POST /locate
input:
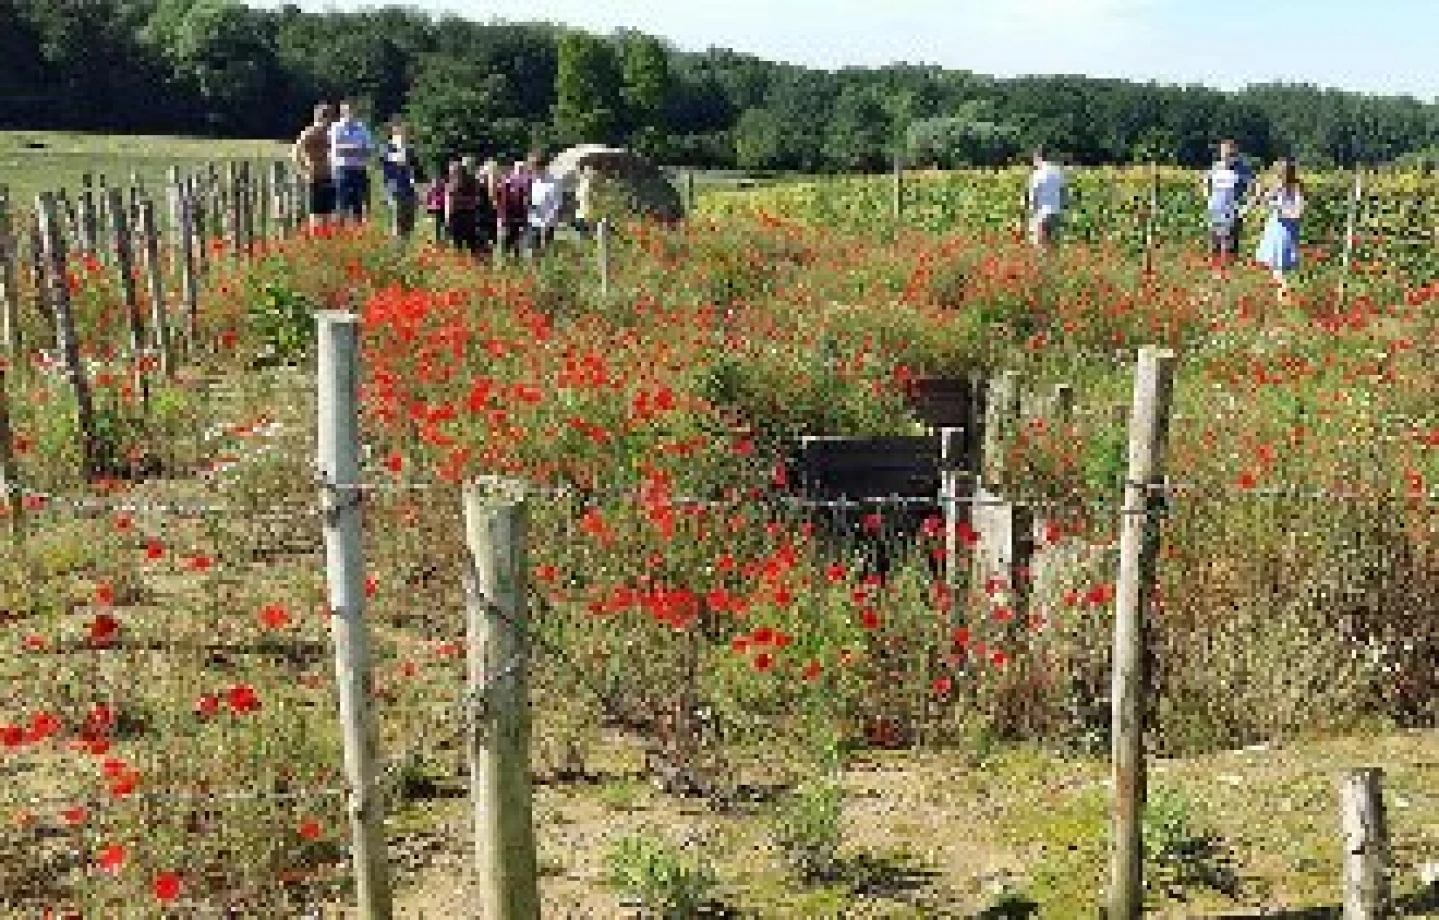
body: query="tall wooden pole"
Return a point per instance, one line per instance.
(1138, 545)
(339, 466)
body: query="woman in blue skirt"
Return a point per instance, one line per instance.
(1279, 247)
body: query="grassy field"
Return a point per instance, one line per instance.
(928, 752)
(35, 161)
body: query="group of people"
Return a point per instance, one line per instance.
(1231, 192)
(476, 209)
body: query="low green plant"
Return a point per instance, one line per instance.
(284, 320)
(668, 884)
(807, 828)
(1178, 853)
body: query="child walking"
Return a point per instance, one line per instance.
(1279, 247)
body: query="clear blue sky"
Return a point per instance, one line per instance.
(1386, 46)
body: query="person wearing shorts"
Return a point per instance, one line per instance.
(312, 158)
(350, 148)
(1226, 187)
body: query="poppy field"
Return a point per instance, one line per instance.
(168, 730)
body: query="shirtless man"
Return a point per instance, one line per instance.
(312, 158)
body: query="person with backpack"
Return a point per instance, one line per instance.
(401, 171)
(1226, 187)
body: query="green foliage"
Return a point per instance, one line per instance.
(1178, 855)
(807, 828)
(457, 109)
(647, 83)
(284, 321)
(588, 106)
(668, 884)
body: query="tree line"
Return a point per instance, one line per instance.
(218, 67)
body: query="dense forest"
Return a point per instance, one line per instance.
(218, 67)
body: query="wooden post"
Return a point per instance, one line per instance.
(9, 286)
(38, 284)
(1349, 227)
(1151, 218)
(159, 319)
(88, 225)
(65, 338)
(1062, 403)
(9, 470)
(497, 626)
(689, 191)
(200, 218)
(249, 193)
(1366, 845)
(1001, 410)
(189, 269)
(898, 203)
(339, 467)
(125, 266)
(1138, 545)
(951, 455)
(173, 187)
(231, 209)
(602, 240)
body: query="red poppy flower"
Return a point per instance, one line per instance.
(274, 616)
(111, 858)
(242, 699)
(103, 629)
(73, 816)
(868, 618)
(310, 829)
(105, 594)
(167, 886)
(763, 662)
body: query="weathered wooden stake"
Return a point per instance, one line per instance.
(339, 467)
(497, 621)
(1366, 845)
(9, 470)
(65, 337)
(10, 339)
(1001, 411)
(602, 240)
(951, 457)
(1349, 226)
(189, 269)
(125, 266)
(159, 316)
(1138, 545)
(897, 206)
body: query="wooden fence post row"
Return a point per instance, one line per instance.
(65, 337)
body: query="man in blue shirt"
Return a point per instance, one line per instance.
(1226, 187)
(351, 147)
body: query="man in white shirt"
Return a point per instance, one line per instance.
(544, 214)
(351, 147)
(1046, 200)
